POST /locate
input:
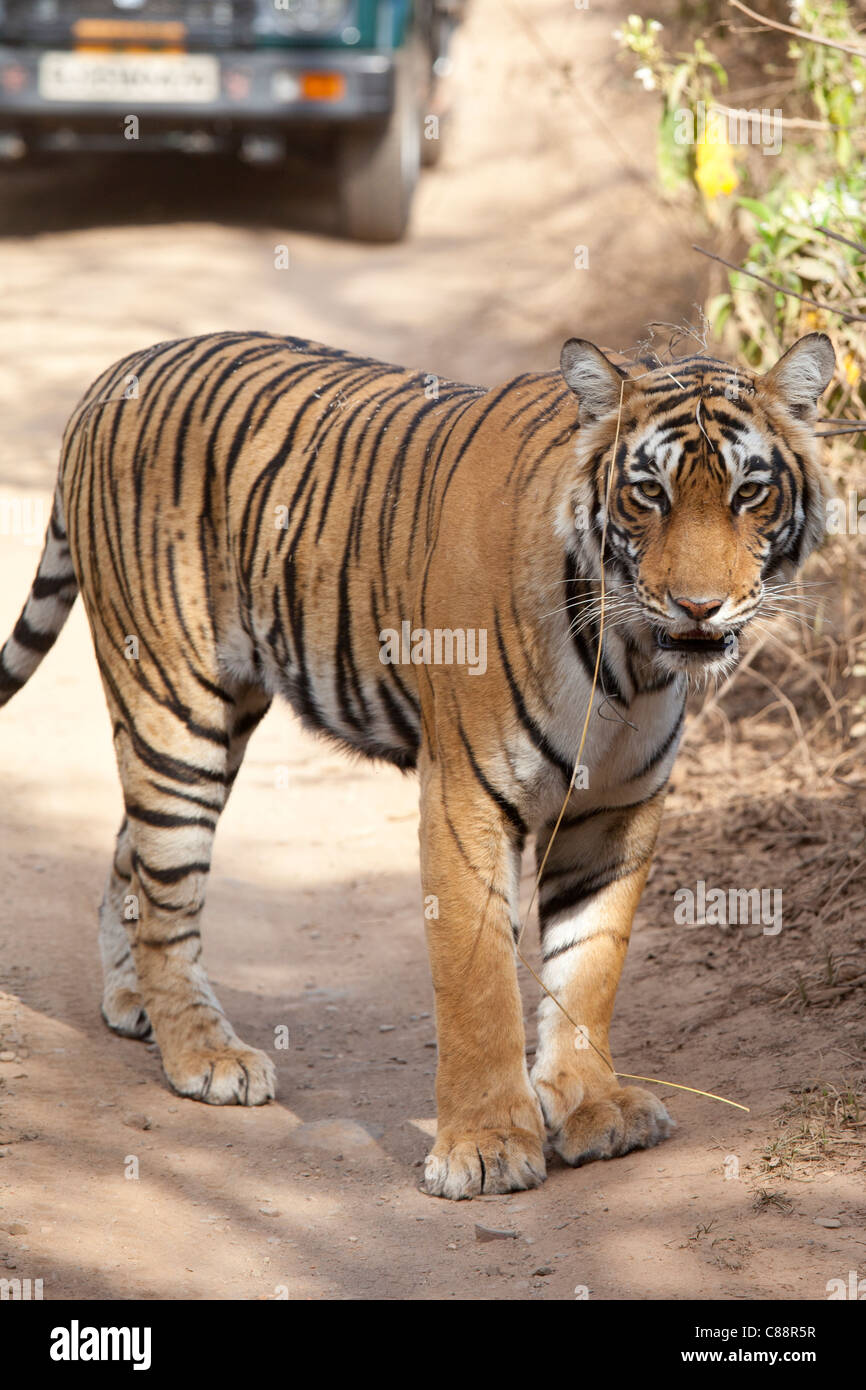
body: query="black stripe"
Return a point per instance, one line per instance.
(169, 940)
(536, 733)
(164, 818)
(162, 763)
(396, 718)
(587, 887)
(571, 821)
(657, 757)
(583, 941)
(173, 875)
(184, 796)
(249, 721)
(9, 684)
(509, 810)
(47, 588)
(27, 636)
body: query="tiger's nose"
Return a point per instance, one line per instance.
(700, 609)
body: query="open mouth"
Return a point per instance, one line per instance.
(702, 643)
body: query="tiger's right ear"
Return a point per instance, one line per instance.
(593, 378)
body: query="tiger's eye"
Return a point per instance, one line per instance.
(650, 489)
(747, 492)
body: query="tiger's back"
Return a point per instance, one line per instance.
(268, 491)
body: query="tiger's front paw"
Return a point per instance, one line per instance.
(602, 1124)
(471, 1162)
(229, 1074)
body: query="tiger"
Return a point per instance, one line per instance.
(248, 515)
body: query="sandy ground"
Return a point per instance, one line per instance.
(110, 1187)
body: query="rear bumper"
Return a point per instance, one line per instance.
(262, 91)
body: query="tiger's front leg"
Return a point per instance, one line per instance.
(490, 1128)
(590, 888)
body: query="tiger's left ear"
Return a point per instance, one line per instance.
(803, 374)
(593, 378)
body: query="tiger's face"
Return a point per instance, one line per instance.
(703, 482)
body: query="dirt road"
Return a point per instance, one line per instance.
(109, 1185)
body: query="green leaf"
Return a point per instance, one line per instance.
(719, 310)
(760, 210)
(674, 160)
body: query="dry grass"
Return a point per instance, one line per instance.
(821, 1121)
(772, 1201)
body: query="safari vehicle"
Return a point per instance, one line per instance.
(360, 78)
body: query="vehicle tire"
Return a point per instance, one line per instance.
(378, 164)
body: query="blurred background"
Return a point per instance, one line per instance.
(456, 187)
(539, 219)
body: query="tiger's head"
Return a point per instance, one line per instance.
(701, 481)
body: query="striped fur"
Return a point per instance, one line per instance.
(247, 515)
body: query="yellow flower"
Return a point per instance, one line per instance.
(851, 369)
(715, 172)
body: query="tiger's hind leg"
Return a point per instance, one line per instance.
(177, 774)
(122, 1006)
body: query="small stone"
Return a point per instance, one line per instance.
(7, 1057)
(387, 1027)
(485, 1233)
(138, 1121)
(15, 1229)
(269, 1211)
(831, 1222)
(544, 1270)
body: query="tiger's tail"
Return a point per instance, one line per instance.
(52, 594)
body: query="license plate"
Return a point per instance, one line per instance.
(129, 77)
